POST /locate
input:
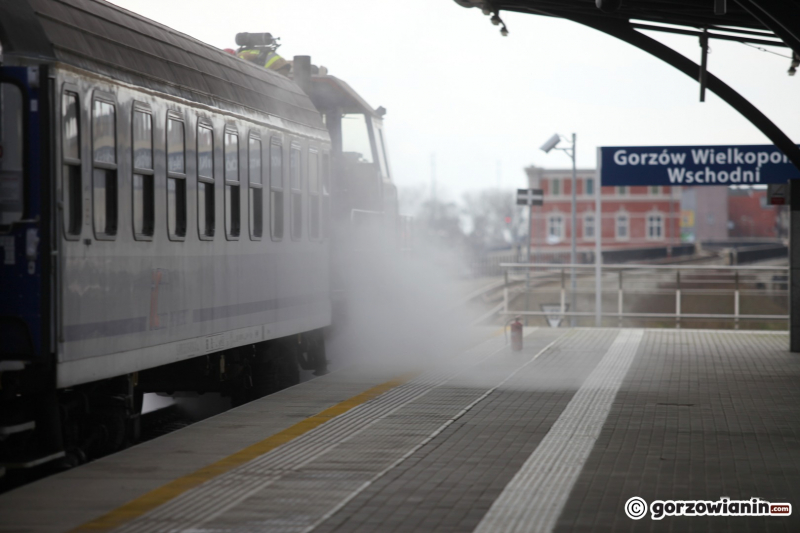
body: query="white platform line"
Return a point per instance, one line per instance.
(533, 499)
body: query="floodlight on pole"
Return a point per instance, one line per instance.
(551, 143)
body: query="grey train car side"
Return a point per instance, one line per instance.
(213, 274)
(180, 209)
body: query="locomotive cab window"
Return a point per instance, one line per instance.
(143, 181)
(313, 195)
(256, 192)
(206, 219)
(276, 189)
(104, 171)
(296, 179)
(176, 178)
(356, 143)
(232, 198)
(71, 158)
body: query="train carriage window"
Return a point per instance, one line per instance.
(176, 179)
(232, 197)
(71, 170)
(276, 189)
(325, 218)
(296, 183)
(256, 194)
(313, 195)
(104, 173)
(143, 176)
(206, 219)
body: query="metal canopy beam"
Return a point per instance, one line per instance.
(622, 30)
(781, 16)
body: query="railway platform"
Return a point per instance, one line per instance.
(557, 437)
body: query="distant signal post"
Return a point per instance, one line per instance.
(529, 198)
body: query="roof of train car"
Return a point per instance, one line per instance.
(105, 39)
(329, 93)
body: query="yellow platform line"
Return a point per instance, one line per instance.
(156, 497)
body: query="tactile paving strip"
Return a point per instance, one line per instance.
(198, 506)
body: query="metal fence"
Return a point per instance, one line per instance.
(679, 295)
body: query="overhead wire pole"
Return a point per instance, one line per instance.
(551, 143)
(529, 261)
(573, 252)
(598, 245)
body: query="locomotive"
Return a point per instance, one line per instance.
(168, 214)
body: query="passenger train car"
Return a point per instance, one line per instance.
(165, 221)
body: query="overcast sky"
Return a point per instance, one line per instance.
(454, 87)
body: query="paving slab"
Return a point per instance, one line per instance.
(557, 437)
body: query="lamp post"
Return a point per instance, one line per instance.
(551, 143)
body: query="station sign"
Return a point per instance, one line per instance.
(530, 196)
(750, 164)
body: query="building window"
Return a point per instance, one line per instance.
(104, 173)
(143, 177)
(206, 206)
(589, 186)
(232, 197)
(276, 189)
(296, 183)
(71, 185)
(622, 191)
(256, 191)
(588, 227)
(655, 227)
(556, 186)
(313, 195)
(176, 179)
(621, 224)
(654, 190)
(555, 228)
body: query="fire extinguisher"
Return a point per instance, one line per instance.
(516, 335)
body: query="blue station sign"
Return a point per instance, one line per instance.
(751, 164)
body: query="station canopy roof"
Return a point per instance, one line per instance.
(755, 22)
(722, 19)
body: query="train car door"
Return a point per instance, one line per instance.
(23, 217)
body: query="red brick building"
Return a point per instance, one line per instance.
(632, 217)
